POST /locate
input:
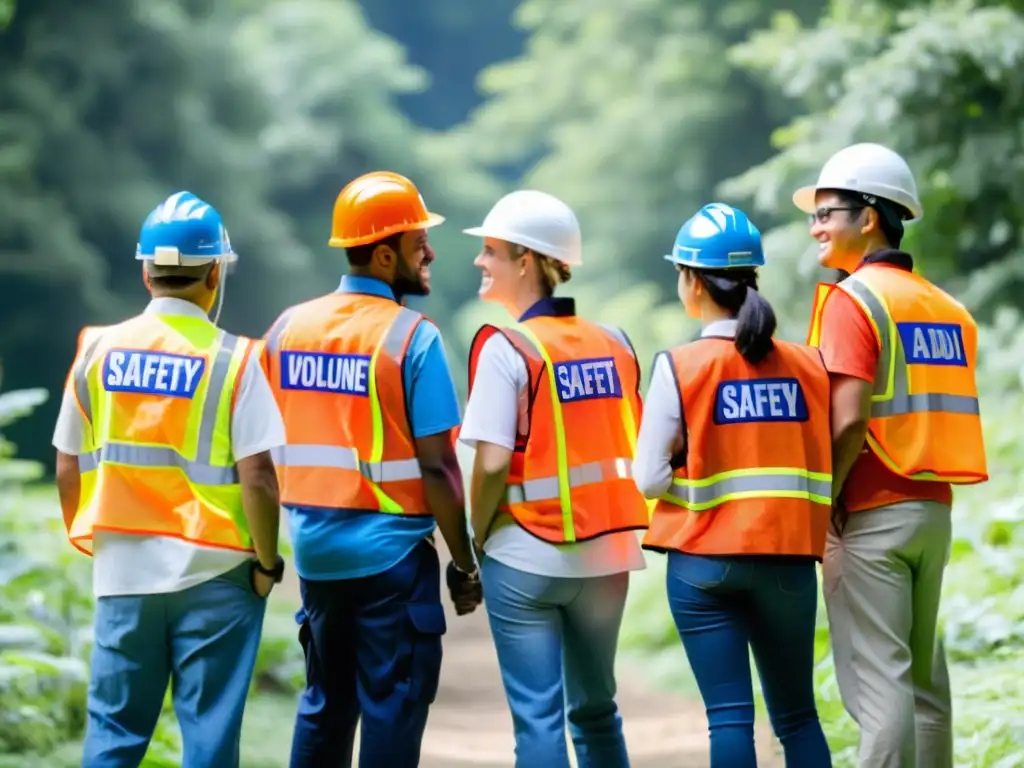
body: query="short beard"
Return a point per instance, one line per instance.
(408, 285)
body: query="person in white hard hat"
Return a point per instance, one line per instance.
(901, 356)
(553, 411)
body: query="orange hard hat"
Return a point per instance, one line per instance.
(375, 206)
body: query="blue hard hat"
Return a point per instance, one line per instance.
(185, 231)
(718, 236)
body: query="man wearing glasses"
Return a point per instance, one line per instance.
(901, 355)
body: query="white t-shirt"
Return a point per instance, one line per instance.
(662, 422)
(495, 413)
(126, 564)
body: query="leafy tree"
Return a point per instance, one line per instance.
(333, 82)
(939, 82)
(107, 109)
(632, 114)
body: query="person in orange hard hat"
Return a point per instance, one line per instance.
(367, 473)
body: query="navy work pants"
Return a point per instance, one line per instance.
(373, 650)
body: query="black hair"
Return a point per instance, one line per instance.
(360, 255)
(176, 278)
(890, 215)
(735, 290)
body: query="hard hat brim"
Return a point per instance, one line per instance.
(526, 242)
(432, 220)
(697, 265)
(805, 198)
(193, 261)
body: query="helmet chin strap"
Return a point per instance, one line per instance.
(221, 283)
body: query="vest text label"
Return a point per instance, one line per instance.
(933, 343)
(754, 400)
(587, 380)
(146, 372)
(324, 372)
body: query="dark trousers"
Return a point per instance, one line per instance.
(724, 607)
(373, 650)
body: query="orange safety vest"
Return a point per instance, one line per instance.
(925, 422)
(335, 365)
(157, 395)
(758, 474)
(571, 476)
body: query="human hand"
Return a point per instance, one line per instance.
(261, 583)
(465, 589)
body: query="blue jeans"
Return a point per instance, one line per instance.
(723, 608)
(204, 640)
(556, 640)
(373, 651)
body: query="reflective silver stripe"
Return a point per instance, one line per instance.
(767, 485)
(80, 377)
(546, 488)
(341, 457)
(150, 457)
(199, 470)
(392, 344)
(214, 392)
(902, 402)
(273, 340)
(336, 457)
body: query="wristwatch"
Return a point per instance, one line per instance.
(276, 573)
(468, 574)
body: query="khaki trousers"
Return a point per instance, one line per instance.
(882, 582)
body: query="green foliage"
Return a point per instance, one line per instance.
(42, 674)
(940, 82)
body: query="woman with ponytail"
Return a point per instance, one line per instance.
(735, 445)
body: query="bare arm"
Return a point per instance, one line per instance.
(661, 436)
(69, 486)
(442, 483)
(261, 501)
(487, 486)
(851, 410)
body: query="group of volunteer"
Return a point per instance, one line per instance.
(749, 461)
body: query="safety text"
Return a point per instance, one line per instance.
(152, 373)
(933, 343)
(587, 379)
(744, 401)
(324, 372)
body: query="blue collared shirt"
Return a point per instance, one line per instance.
(334, 544)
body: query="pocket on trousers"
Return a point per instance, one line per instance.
(700, 572)
(308, 649)
(422, 650)
(796, 579)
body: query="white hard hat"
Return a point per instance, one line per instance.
(535, 220)
(869, 169)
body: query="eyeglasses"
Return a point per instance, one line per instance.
(824, 213)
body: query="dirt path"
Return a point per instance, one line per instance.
(470, 723)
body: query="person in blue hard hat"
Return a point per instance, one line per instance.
(166, 479)
(734, 444)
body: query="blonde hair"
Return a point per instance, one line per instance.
(552, 272)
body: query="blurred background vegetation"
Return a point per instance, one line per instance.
(636, 113)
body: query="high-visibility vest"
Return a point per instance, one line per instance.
(758, 472)
(157, 394)
(570, 478)
(335, 366)
(925, 422)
